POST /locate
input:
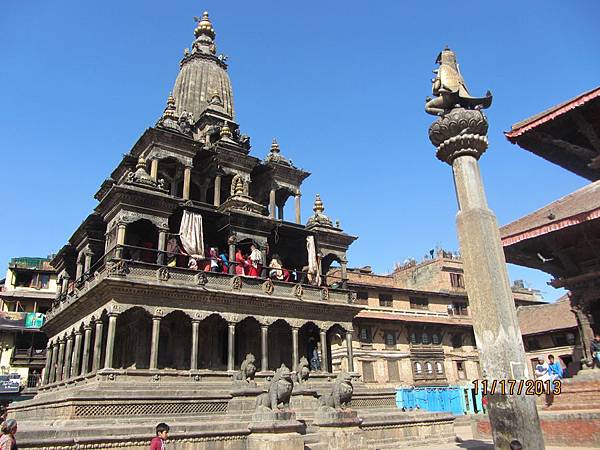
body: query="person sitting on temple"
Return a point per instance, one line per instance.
(224, 260)
(277, 271)
(240, 263)
(214, 259)
(173, 250)
(255, 261)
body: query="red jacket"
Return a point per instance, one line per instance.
(157, 444)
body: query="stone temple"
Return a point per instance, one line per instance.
(185, 268)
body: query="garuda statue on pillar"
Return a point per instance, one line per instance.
(449, 88)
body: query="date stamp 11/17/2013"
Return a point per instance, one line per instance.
(517, 387)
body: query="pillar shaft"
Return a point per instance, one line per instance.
(194, 356)
(154, 343)
(349, 350)
(110, 341)
(78, 270)
(53, 365)
(187, 176)
(264, 347)
(96, 359)
(87, 342)
(48, 365)
(294, 348)
(120, 239)
(87, 262)
(76, 355)
(298, 214)
(232, 259)
(162, 246)
(231, 347)
(217, 201)
(324, 359)
(272, 205)
(154, 169)
(491, 301)
(280, 212)
(61, 361)
(344, 274)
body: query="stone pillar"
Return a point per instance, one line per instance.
(154, 343)
(294, 348)
(217, 201)
(231, 347)
(121, 228)
(87, 342)
(87, 262)
(48, 365)
(110, 341)
(61, 360)
(187, 176)
(264, 348)
(76, 355)
(68, 358)
(272, 205)
(583, 323)
(162, 246)
(194, 356)
(280, 212)
(53, 375)
(495, 322)
(297, 201)
(349, 350)
(96, 359)
(232, 257)
(79, 267)
(324, 359)
(65, 284)
(154, 169)
(344, 273)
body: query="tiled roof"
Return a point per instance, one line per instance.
(538, 319)
(418, 318)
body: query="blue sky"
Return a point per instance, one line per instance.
(340, 84)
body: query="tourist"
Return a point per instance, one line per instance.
(254, 261)
(275, 266)
(240, 262)
(162, 434)
(315, 357)
(516, 445)
(224, 262)
(541, 370)
(555, 370)
(9, 429)
(214, 259)
(595, 351)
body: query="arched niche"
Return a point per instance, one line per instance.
(133, 335)
(212, 343)
(280, 344)
(175, 341)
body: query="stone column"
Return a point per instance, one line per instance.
(297, 201)
(53, 375)
(65, 284)
(61, 360)
(187, 175)
(154, 169)
(110, 341)
(87, 342)
(294, 347)
(76, 355)
(162, 246)
(78, 268)
(272, 205)
(324, 359)
(280, 212)
(495, 323)
(96, 359)
(68, 358)
(264, 347)
(217, 201)
(231, 347)
(87, 262)
(344, 273)
(121, 228)
(194, 356)
(154, 343)
(48, 365)
(349, 350)
(583, 323)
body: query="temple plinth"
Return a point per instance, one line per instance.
(459, 135)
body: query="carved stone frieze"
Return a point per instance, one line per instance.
(236, 283)
(201, 279)
(117, 268)
(163, 274)
(298, 291)
(268, 287)
(325, 294)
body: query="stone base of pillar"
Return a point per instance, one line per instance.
(340, 428)
(337, 418)
(280, 441)
(304, 398)
(275, 430)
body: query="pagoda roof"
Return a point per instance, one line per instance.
(538, 319)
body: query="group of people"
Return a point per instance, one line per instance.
(549, 371)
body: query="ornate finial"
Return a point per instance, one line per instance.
(318, 218)
(318, 208)
(225, 131)
(141, 164)
(204, 26)
(170, 109)
(275, 146)
(239, 187)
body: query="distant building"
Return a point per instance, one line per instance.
(27, 294)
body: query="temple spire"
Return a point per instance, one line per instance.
(204, 26)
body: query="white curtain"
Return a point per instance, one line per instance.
(313, 264)
(191, 234)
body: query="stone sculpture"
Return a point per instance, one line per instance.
(302, 371)
(247, 369)
(341, 393)
(279, 392)
(449, 88)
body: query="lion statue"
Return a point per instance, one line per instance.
(302, 371)
(279, 392)
(247, 369)
(341, 393)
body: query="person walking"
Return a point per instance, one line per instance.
(162, 434)
(9, 429)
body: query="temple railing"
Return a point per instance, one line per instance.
(112, 267)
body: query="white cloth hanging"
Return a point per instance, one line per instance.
(192, 235)
(313, 264)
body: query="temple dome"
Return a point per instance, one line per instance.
(203, 80)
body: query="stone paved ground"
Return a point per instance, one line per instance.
(464, 433)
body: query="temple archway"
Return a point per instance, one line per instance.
(212, 343)
(280, 344)
(336, 347)
(141, 239)
(175, 341)
(308, 344)
(247, 340)
(132, 339)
